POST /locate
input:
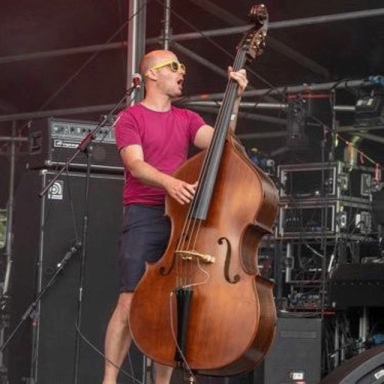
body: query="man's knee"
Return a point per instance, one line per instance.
(123, 306)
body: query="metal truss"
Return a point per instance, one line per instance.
(134, 52)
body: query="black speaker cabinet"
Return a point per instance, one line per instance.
(365, 368)
(295, 356)
(45, 229)
(357, 285)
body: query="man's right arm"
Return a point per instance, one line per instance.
(133, 159)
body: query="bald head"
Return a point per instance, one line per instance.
(153, 58)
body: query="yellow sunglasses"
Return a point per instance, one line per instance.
(174, 65)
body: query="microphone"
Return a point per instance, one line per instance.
(136, 80)
(376, 80)
(136, 84)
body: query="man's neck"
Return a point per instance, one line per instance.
(157, 103)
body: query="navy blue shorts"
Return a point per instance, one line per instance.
(144, 237)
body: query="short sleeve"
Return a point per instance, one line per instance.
(195, 123)
(127, 130)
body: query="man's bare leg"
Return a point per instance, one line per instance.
(161, 374)
(118, 338)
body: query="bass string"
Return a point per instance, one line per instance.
(191, 227)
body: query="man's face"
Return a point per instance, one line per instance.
(170, 76)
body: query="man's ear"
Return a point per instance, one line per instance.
(151, 74)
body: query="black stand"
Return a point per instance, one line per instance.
(82, 269)
(82, 147)
(324, 224)
(4, 299)
(327, 132)
(29, 312)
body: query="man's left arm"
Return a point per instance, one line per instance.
(241, 78)
(204, 134)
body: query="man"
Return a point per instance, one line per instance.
(153, 138)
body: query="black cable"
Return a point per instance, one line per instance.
(262, 79)
(86, 63)
(97, 350)
(217, 45)
(90, 59)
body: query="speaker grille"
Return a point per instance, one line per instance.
(45, 230)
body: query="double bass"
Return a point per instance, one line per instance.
(204, 306)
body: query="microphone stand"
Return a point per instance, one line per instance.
(82, 147)
(74, 249)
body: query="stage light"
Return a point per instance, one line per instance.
(309, 116)
(263, 161)
(297, 121)
(369, 111)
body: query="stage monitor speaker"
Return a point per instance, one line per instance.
(45, 229)
(295, 355)
(365, 368)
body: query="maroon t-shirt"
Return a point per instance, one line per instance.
(165, 138)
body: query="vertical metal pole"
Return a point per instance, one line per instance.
(363, 329)
(334, 126)
(135, 50)
(167, 24)
(8, 246)
(10, 209)
(288, 263)
(84, 242)
(336, 345)
(277, 270)
(136, 41)
(37, 312)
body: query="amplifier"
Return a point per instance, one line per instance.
(335, 179)
(281, 365)
(316, 217)
(357, 285)
(53, 141)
